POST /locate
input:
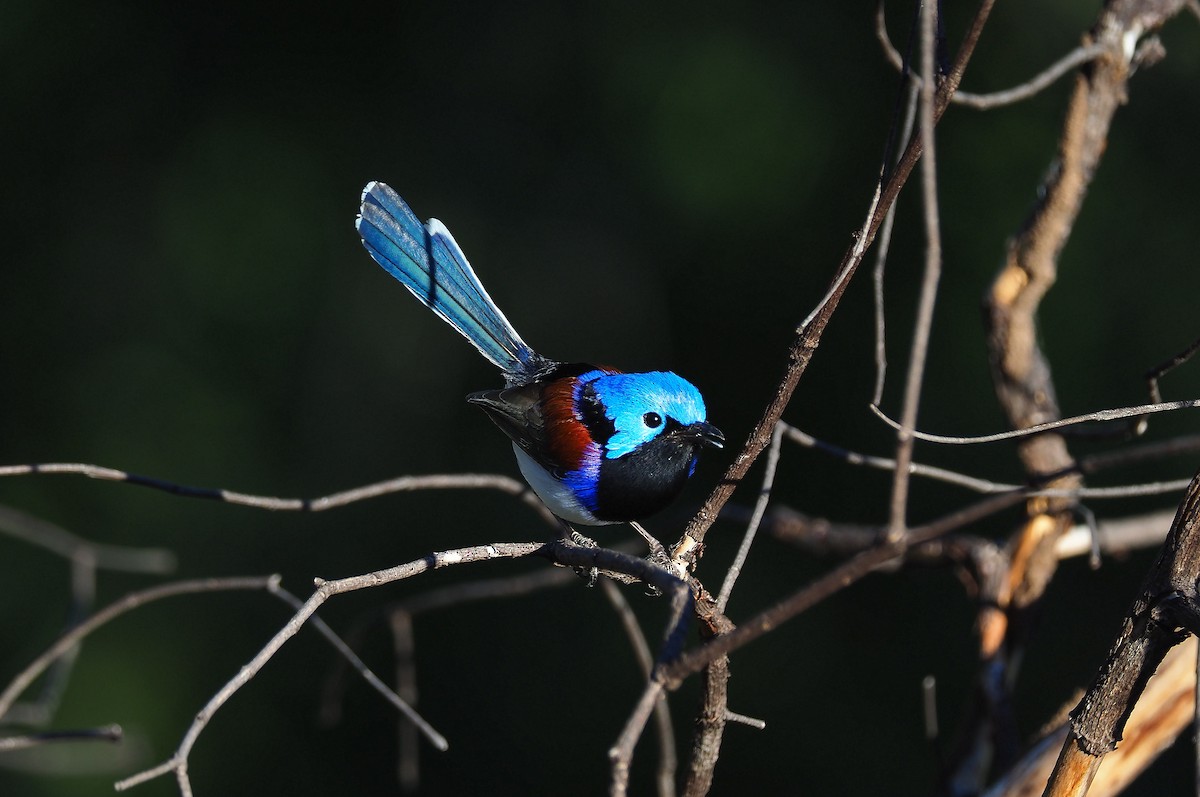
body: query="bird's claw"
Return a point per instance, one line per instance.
(588, 574)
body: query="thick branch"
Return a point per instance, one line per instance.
(1150, 629)
(1165, 711)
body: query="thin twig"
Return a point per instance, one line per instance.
(408, 759)
(325, 589)
(1029, 431)
(810, 332)
(760, 506)
(923, 325)
(1162, 369)
(972, 483)
(132, 601)
(742, 719)
(443, 598)
(560, 552)
(436, 481)
(427, 730)
(989, 487)
(983, 102)
(620, 755)
(822, 537)
(883, 244)
(106, 733)
(1135, 454)
(828, 584)
(35, 531)
(668, 760)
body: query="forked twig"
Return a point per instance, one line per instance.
(132, 601)
(621, 753)
(668, 761)
(827, 585)
(984, 102)
(560, 552)
(809, 333)
(35, 531)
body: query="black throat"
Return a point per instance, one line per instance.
(646, 479)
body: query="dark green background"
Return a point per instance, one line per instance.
(184, 296)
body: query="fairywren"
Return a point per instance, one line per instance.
(597, 445)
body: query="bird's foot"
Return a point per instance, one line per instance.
(658, 556)
(588, 574)
(658, 553)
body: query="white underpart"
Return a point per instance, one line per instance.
(554, 494)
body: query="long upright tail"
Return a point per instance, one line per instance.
(426, 259)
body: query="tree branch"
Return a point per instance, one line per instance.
(1152, 626)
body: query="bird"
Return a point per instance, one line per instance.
(597, 445)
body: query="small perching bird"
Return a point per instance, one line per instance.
(597, 445)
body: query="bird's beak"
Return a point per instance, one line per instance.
(707, 434)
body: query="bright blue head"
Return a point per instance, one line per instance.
(644, 406)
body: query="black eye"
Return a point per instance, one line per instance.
(652, 420)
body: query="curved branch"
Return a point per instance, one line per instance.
(985, 102)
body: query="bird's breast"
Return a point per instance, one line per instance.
(640, 483)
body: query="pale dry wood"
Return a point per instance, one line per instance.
(1164, 712)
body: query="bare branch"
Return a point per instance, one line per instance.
(984, 102)
(923, 325)
(822, 537)
(401, 705)
(132, 601)
(760, 506)
(986, 486)
(809, 334)
(1151, 627)
(710, 727)
(621, 753)
(106, 733)
(883, 244)
(561, 552)
(742, 719)
(437, 481)
(1164, 712)
(668, 760)
(827, 585)
(1048, 426)
(35, 531)
(1158, 372)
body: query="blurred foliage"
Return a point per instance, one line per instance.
(666, 185)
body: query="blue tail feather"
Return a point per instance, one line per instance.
(426, 259)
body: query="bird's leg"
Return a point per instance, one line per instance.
(658, 554)
(571, 535)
